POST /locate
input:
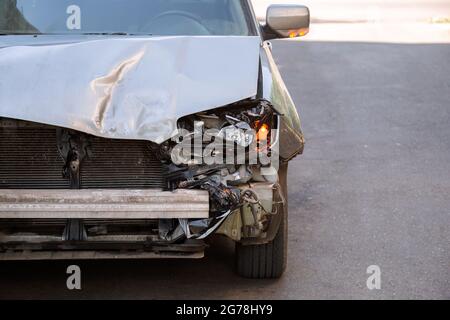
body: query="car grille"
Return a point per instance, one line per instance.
(29, 159)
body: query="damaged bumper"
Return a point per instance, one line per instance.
(126, 224)
(96, 224)
(103, 204)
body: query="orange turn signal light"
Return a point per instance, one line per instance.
(263, 133)
(298, 33)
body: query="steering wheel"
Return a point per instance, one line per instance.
(194, 20)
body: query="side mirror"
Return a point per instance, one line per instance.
(286, 21)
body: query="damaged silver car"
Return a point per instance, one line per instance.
(139, 129)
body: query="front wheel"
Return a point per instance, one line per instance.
(266, 261)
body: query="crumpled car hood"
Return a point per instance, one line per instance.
(126, 88)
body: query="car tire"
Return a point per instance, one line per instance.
(266, 261)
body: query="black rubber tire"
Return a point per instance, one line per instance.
(266, 261)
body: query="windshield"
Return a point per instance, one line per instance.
(134, 17)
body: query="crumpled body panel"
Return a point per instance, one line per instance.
(126, 88)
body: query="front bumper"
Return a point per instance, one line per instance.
(97, 250)
(104, 204)
(96, 224)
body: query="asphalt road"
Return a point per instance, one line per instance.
(373, 188)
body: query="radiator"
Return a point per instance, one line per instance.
(29, 159)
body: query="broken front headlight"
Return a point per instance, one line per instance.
(223, 139)
(220, 151)
(240, 133)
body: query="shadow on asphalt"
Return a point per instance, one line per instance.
(211, 277)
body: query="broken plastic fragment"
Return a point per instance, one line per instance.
(187, 226)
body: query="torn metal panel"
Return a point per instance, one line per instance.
(251, 219)
(204, 227)
(125, 88)
(248, 219)
(232, 226)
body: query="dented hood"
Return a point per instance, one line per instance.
(126, 88)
